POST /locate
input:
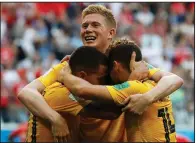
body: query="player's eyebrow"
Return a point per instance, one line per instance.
(93, 22)
(84, 24)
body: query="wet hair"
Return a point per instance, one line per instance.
(87, 59)
(121, 51)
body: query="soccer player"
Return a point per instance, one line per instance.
(98, 29)
(61, 100)
(156, 124)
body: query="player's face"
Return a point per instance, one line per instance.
(95, 32)
(99, 77)
(115, 76)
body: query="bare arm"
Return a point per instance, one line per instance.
(86, 90)
(167, 84)
(31, 97)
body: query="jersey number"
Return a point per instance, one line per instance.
(169, 128)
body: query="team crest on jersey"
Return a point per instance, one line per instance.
(122, 86)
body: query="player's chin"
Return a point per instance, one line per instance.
(91, 44)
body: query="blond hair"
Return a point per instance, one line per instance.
(122, 41)
(102, 10)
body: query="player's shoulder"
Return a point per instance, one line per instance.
(56, 88)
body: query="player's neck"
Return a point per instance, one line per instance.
(104, 48)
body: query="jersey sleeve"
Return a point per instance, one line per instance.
(152, 70)
(50, 77)
(60, 100)
(120, 92)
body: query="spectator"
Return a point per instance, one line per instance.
(4, 103)
(152, 47)
(145, 16)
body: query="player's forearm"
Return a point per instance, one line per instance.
(36, 104)
(165, 86)
(75, 85)
(86, 90)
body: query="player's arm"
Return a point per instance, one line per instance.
(31, 97)
(86, 90)
(64, 103)
(167, 84)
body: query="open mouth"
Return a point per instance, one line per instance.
(90, 38)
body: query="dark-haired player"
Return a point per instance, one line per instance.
(61, 100)
(156, 124)
(97, 30)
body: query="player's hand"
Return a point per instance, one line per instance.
(66, 58)
(60, 129)
(139, 70)
(63, 73)
(136, 103)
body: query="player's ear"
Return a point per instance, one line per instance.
(82, 74)
(115, 65)
(112, 33)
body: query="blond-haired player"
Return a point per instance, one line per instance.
(97, 30)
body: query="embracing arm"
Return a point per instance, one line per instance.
(86, 90)
(31, 97)
(167, 83)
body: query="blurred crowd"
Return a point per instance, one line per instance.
(35, 36)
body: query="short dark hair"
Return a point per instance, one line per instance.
(122, 53)
(88, 59)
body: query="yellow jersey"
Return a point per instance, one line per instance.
(61, 100)
(156, 124)
(92, 129)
